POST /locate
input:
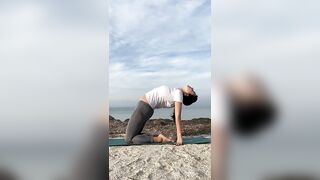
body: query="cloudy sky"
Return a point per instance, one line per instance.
(53, 63)
(53, 72)
(155, 43)
(53, 58)
(280, 41)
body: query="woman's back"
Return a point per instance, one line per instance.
(163, 97)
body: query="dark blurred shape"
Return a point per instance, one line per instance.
(252, 108)
(250, 118)
(93, 163)
(5, 174)
(294, 176)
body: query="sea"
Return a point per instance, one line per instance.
(188, 113)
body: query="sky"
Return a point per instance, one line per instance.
(53, 63)
(53, 54)
(53, 57)
(56, 51)
(279, 41)
(53, 74)
(153, 43)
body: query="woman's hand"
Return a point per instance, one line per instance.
(179, 140)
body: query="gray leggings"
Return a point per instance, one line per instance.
(141, 114)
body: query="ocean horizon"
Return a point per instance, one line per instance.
(188, 113)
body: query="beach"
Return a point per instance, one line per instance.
(190, 161)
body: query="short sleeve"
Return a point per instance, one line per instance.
(177, 95)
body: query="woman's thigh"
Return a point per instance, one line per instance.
(138, 119)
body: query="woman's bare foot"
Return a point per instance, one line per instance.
(165, 139)
(161, 139)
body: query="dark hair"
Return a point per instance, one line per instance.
(250, 118)
(187, 100)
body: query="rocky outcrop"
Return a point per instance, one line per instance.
(196, 126)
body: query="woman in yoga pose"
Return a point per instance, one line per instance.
(160, 97)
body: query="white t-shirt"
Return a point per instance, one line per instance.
(164, 97)
(220, 106)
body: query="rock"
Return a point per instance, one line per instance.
(196, 126)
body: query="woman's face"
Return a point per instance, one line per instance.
(189, 90)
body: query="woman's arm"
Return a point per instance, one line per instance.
(178, 107)
(219, 151)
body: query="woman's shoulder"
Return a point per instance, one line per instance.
(177, 90)
(177, 94)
